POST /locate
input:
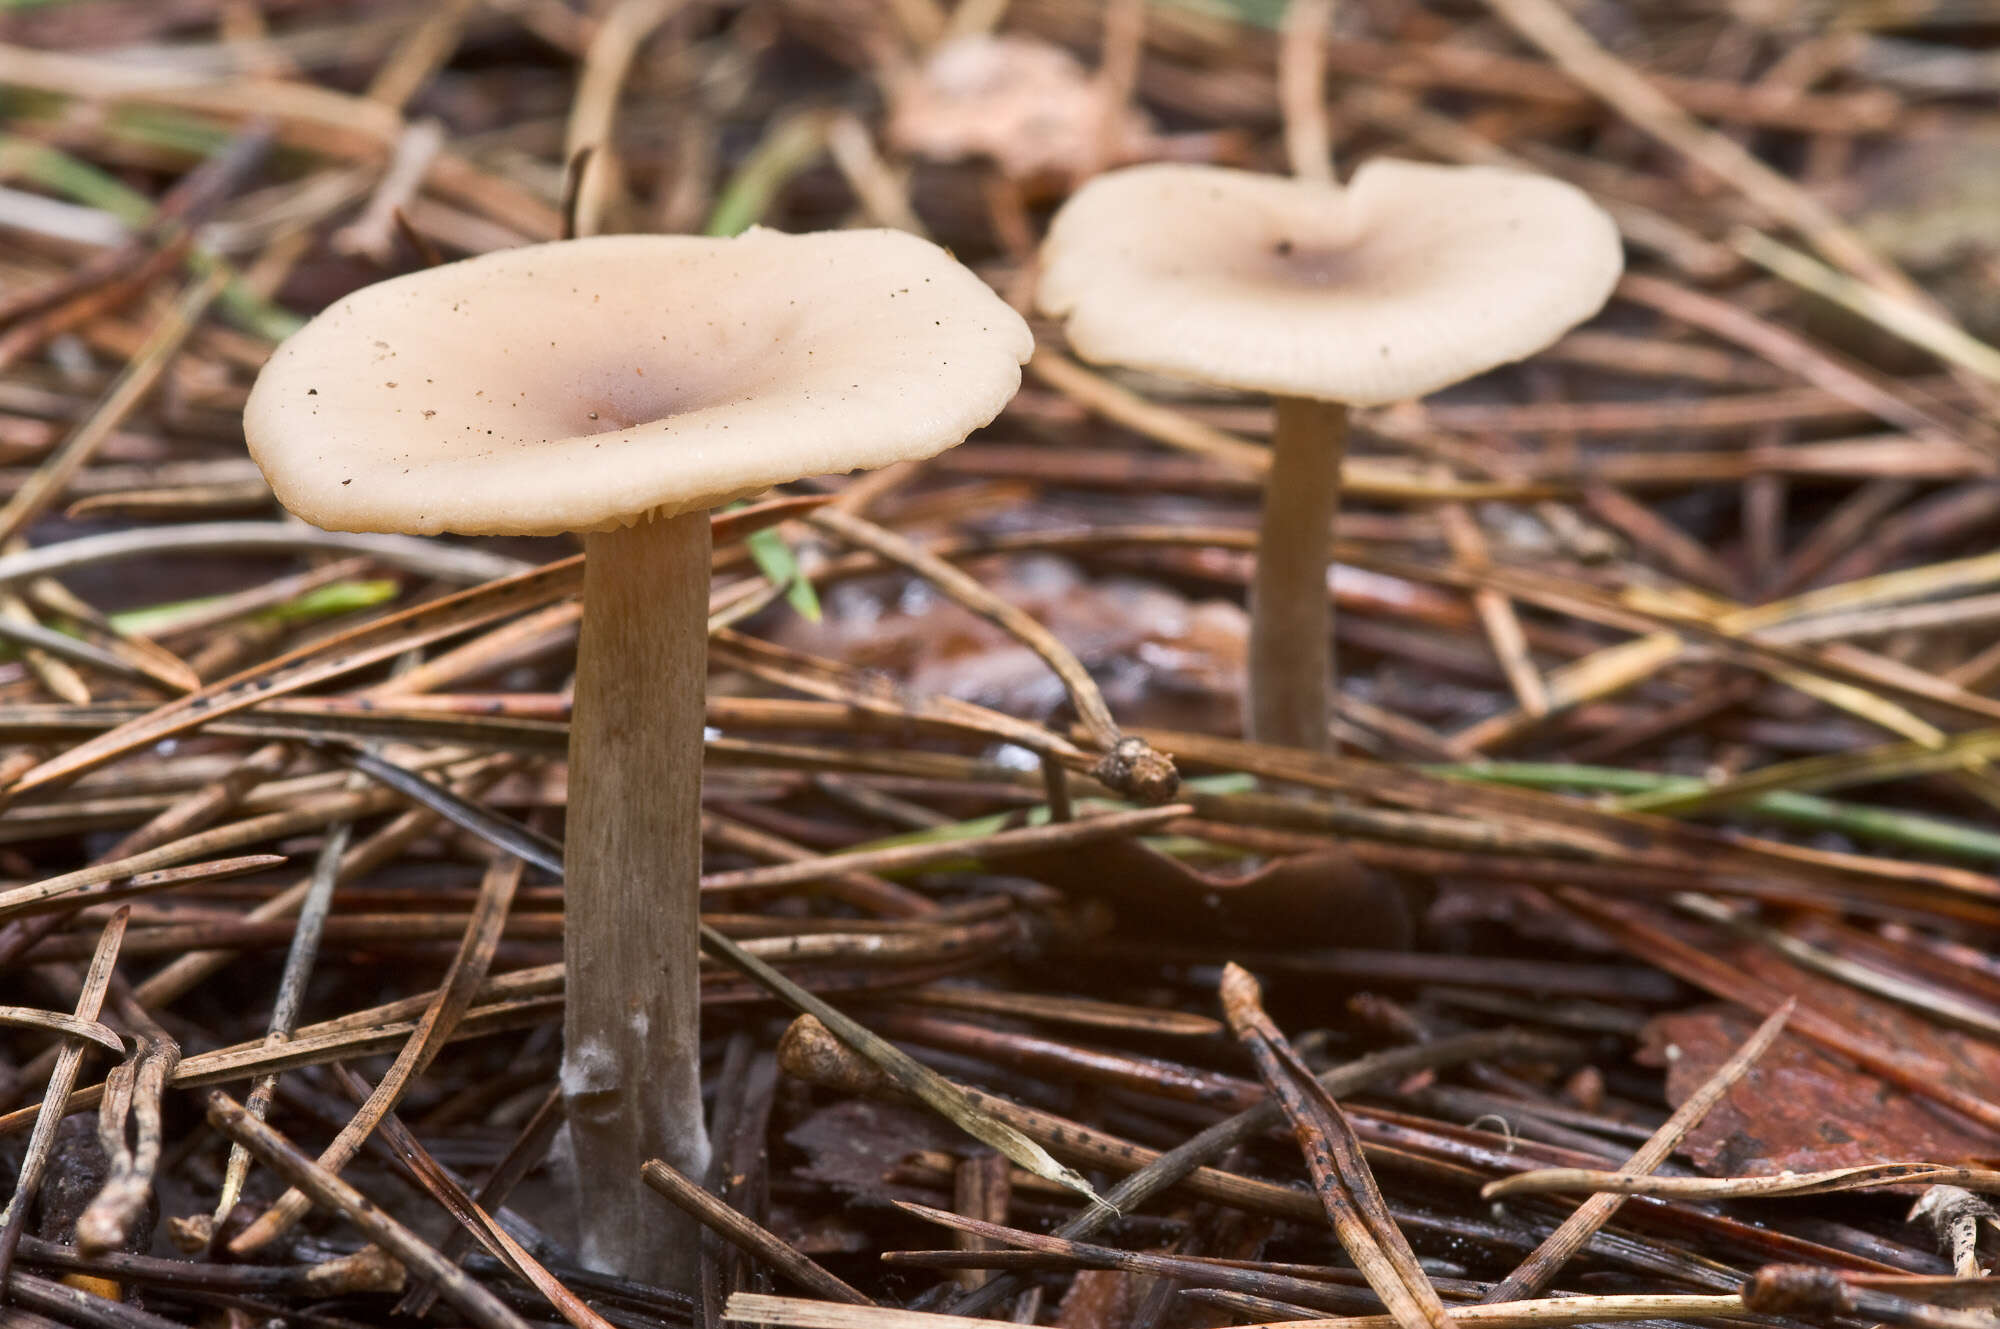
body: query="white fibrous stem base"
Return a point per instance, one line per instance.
(631, 1077)
(1291, 608)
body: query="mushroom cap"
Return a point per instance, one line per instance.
(586, 384)
(1409, 279)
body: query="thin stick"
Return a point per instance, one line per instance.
(1165, 1170)
(528, 1150)
(1822, 1295)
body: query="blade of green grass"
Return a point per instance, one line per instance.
(1905, 830)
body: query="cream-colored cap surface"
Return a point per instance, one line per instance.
(1408, 279)
(584, 384)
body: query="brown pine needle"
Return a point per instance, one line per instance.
(55, 1101)
(288, 1161)
(454, 999)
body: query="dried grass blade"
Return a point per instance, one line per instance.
(875, 693)
(463, 813)
(1562, 1181)
(1138, 771)
(1666, 1307)
(454, 999)
(1574, 1232)
(1893, 761)
(759, 1308)
(144, 883)
(1066, 1010)
(742, 523)
(71, 1026)
(798, 1313)
(425, 557)
(524, 843)
(315, 813)
(1341, 1176)
(299, 961)
(1138, 1187)
(1912, 322)
(55, 1100)
(527, 1150)
(364, 646)
(475, 1220)
(1936, 1005)
(748, 1236)
(21, 628)
(167, 985)
(315, 664)
(288, 1161)
(904, 1071)
(909, 857)
(134, 1090)
(52, 668)
(46, 485)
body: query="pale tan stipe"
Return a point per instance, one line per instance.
(633, 863)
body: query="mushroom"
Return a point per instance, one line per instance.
(1407, 280)
(620, 387)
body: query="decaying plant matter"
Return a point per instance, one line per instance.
(1627, 958)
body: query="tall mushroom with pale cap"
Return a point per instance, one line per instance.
(620, 387)
(1409, 279)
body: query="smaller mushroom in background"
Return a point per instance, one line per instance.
(620, 387)
(1030, 108)
(1410, 278)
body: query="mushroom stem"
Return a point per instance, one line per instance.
(631, 903)
(1291, 613)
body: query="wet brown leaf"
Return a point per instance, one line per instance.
(1800, 1108)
